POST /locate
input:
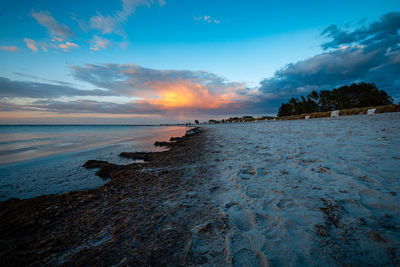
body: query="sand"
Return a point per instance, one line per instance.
(309, 192)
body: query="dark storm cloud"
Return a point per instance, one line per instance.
(370, 54)
(31, 89)
(383, 30)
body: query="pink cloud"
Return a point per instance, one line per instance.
(34, 45)
(114, 23)
(55, 28)
(67, 46)
(71, 44)
(9, 48)
(99, 43)
(56, 39)
(31, 44)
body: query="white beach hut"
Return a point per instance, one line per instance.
(371, 111)
(307, 117)
(335, 113)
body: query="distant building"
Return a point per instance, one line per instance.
(307, 117)
(335, 113)
(371, 111)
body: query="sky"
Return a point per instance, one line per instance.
(170, 61)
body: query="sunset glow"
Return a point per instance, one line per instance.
(186, 95)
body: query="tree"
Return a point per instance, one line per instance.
(345, 97)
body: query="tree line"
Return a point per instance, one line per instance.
(345, 97)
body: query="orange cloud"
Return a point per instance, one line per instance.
(186, 94)
(165, 90)
(67, 46)
(31, 44)
(99, 44)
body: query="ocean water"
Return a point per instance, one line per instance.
(41, 159)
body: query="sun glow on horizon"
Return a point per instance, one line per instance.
(189, 95)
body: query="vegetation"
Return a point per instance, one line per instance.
(345, 112)
(350, 100)
(241, 119)
(346, 97)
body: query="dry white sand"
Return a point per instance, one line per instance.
(309, 192)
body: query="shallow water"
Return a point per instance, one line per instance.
(309, 192)
(39, 160)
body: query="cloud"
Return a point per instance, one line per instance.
(34, 46)
(67, 46)
(166, 89)
(90, 106)
(98, 43)
(18, 89)
(31, 44)
(379, 31)
(139, 90)
(9, 48)
(370, 54)
(56, 39)
(108, 24)
(207, 19)
(42, 79)
(54, 28)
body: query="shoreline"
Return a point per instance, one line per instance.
(146, 214)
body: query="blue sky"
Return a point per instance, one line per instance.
(170, 61)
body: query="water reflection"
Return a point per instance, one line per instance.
(48, 159)
(19, 143)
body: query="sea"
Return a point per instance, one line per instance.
(47, 159)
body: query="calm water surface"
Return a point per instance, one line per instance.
(38, 160)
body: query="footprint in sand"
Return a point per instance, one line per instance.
(247, 257)
(244, 220)
(374, 200)
(247, 172)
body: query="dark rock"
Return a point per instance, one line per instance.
(167, 144)
(106, 170)
(134, 155)
(145, 156)
(92, 164)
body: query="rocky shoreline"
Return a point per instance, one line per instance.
(151, 213)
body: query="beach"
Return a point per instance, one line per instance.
(309, 192)
(305, 192)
